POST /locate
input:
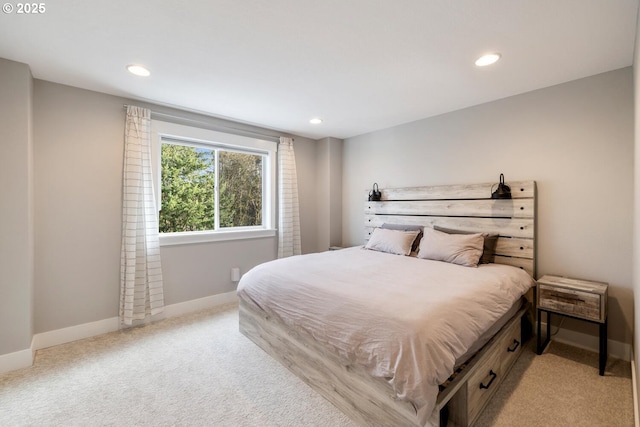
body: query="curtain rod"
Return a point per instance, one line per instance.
(218, 126)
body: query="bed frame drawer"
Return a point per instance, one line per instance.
(488, 373)
(511, 346)
(482, 385)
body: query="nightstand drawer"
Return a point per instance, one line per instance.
(581, 304)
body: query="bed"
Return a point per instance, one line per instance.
(397, 339)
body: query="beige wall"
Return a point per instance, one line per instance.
(329, 192)
(636, 211)
(306, 166)
(574, 139)
(78, 178)
(16, 207)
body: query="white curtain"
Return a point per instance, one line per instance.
(141, 293)
(288, 216)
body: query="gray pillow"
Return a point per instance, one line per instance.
(489, 247)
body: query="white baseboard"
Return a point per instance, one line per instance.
(186, 307)
(24, 358)
(616, 349)
(73, 333)
(16, 360)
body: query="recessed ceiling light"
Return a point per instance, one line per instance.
(138, 70)
(315, 121)
(487, 59)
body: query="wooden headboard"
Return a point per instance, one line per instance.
(468, 208)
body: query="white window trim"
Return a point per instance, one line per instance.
(205, 137)
(192, 237)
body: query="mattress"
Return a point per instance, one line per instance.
(403, 319)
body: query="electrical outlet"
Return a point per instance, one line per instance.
(235, 274)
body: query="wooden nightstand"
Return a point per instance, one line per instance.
(580, 299)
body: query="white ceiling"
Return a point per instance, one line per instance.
(360, 65)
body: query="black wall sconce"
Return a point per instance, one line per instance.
(375, 195)
(503, 191)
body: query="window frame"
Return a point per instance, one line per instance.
(210, 139)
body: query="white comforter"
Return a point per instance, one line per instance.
(404, 319)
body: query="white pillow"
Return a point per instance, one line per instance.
(462, 249)
(392, 241)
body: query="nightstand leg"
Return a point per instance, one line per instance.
(603, 346)
(538, 338)
(540, 345)
(548, 329)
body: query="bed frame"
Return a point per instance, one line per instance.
(371, 401)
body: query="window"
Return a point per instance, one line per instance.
(212, 186)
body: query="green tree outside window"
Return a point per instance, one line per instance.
(188, 189)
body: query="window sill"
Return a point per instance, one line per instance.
(170, 239)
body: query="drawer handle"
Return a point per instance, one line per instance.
(567, 297)
(493, 377)
(516, 345)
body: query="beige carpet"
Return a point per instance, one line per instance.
(199, 370)
(562, 387)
